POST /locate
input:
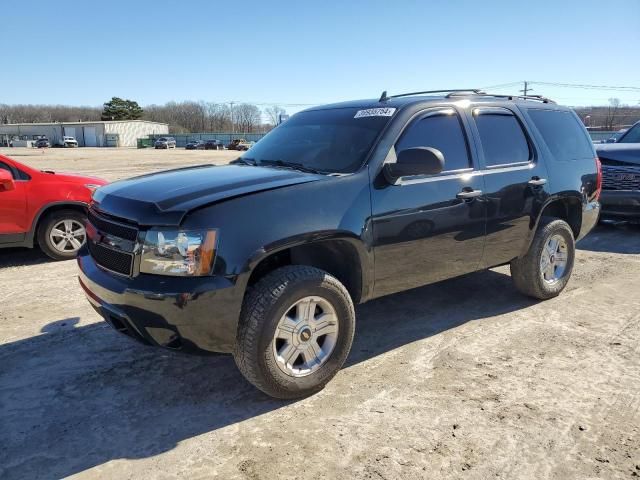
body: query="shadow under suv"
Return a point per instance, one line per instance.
(266, 257)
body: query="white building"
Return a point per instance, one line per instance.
(117, 133)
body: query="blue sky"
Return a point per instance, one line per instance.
(83, 53)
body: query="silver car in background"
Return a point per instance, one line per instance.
(165, 142)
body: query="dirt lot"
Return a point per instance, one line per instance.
(115, 163)
(463, 379)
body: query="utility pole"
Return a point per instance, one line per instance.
(526, 88)
(232, 124)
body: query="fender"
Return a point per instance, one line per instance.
(31, 234)
(564, 196)
(363, 251)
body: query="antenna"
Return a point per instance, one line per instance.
(383, 97)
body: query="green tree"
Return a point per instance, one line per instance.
(121, 109)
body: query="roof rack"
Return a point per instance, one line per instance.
(539, 98)
(469, 91)
(461, 92)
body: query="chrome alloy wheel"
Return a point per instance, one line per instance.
(553, 261)
(305, 336)
(67, 236)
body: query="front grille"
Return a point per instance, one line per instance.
(620, 178)
(112, 228)
(114, 260)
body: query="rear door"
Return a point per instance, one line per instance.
(516, 181)
(429, 228)
(13, 209)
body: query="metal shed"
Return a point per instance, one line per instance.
(118, 133)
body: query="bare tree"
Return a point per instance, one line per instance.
(47, 113)
(219, 117)
(612, 113)
(248, 117)
(273, 113)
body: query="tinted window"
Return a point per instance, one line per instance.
(328, 140)
(632, 136)
(4, 166)
(441, 130)
(502, 138)
(562, 133)
(22, 175)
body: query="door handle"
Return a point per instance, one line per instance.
(469, 194)
(537, 181)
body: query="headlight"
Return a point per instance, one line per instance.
(179, 253)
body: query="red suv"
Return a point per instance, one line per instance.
(44, 208)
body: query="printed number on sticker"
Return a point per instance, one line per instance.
(375, 112)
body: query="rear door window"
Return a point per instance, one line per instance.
(562, 133)
(440, 129)
(503, 140)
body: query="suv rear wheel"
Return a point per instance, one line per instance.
(546, 268)
(295, 331)
(62, 233)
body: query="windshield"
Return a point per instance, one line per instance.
(632, 135)
(324, 140)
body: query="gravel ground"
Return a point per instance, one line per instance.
(461, 379)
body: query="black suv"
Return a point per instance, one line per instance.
(265, 258)
(213, 145)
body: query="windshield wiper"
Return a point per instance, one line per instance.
(292, 165)
(243, 161)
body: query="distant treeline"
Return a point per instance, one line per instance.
(187, 117)
(612, 117)
(182, 117)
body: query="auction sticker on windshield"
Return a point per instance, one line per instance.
(375, 112)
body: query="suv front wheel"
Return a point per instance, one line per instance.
(295, 331)
(546, 268)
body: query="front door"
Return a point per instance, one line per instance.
(13, 210)
(429, 228)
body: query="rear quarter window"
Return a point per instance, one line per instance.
(563, 134)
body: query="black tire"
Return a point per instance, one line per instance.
(47, 224)
(526, 271)
(262, 309)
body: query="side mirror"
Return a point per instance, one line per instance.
(415, 161)
(6, 180)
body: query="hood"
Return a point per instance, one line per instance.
(620, 152)
(163, 199)
(73, 177)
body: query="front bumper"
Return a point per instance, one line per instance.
(195, 315)
(621, 203)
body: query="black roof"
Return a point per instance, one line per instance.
(402, 100)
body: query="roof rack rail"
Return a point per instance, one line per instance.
(539, 98)
(460, 92)
(470, 91)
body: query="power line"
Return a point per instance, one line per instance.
(501, 85)
(569, 85)
(589, 87)
(237, 102)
